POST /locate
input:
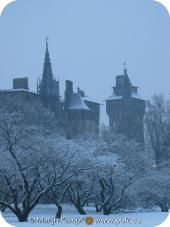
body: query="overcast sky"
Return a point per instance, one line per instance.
(89, 40)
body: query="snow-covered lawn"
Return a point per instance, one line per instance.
(149, 219)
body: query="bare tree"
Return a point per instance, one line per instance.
(23, 163)
(34, 162)
(153, 189)
(22, 170)
(121, 162)
(157, 122)
(81, 191)
(65, 173)
(56, 194)
(112, 191)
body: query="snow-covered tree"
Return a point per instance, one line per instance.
(153, 189)
(74, 164)
(23, 166)
(121, 163)
(27, 169)
(157, 121)
(82, 190)
(113, 181)
(22, 173)
(116, 164)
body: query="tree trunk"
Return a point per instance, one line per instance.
(3, 209)
(98, 209)
(59, 211)
(164, 208)
(106, 211)
(22, 218)
(81, 210)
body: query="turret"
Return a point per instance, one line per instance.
(126, 109)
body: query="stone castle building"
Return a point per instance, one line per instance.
(126, 109)
(76, 113)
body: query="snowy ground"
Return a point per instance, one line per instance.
(43, 213)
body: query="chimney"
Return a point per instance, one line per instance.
(68, 92)
(20, 83)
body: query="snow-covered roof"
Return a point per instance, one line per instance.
(77, 103)
(136, 96)
(89, 99)
(113, 97)
(17, 90)
(133, 95)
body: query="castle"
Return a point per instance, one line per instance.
(126, 109)
(76, 113)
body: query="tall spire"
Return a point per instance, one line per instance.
(47, 77)
(48, 86)
(47, 62)
(47, 43)
(47, 56)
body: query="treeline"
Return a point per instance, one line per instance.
(108, 172)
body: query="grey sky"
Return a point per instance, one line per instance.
(88, 41)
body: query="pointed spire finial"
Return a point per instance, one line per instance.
(47, 42)
(125, 68)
